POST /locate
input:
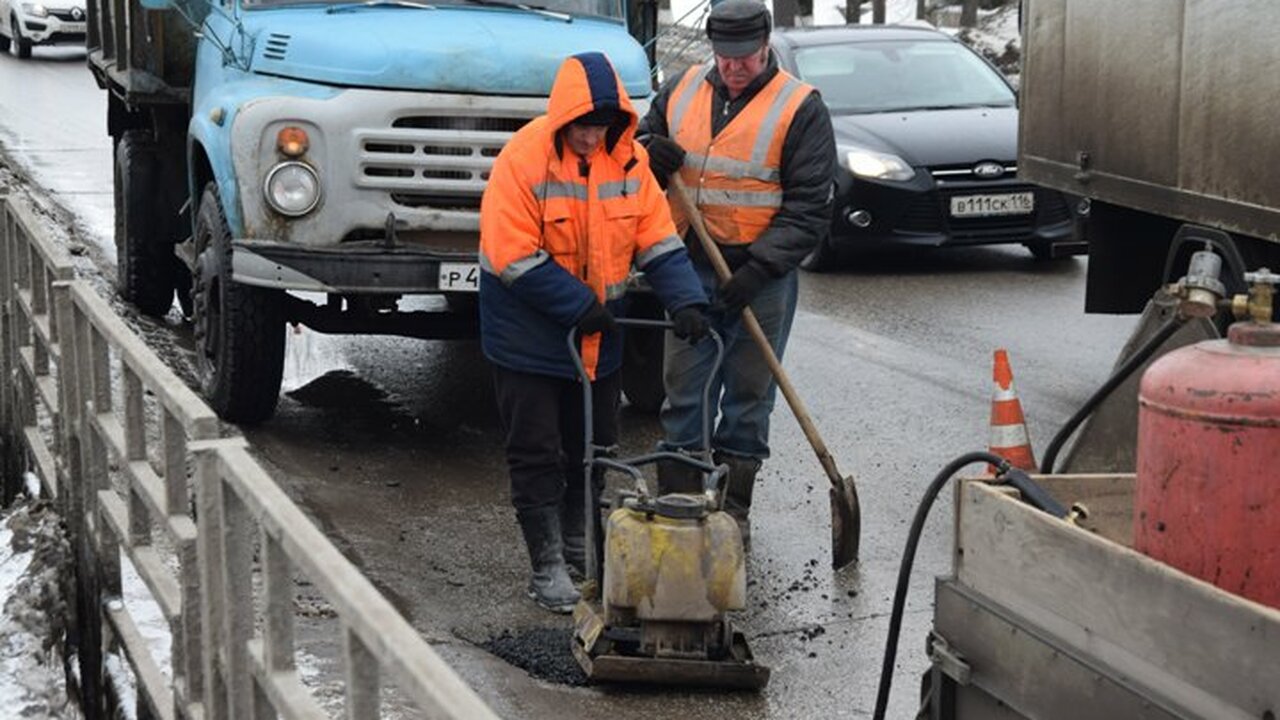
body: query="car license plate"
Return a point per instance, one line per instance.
(463, 277)
(1022, 203)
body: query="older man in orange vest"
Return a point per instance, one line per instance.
(755, 147)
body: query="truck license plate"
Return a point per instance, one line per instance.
(464, 277)
(964, 206)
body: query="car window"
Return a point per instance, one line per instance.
(900, 75)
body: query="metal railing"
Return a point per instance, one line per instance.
(137, 464)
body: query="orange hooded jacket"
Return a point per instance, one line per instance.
(558, 231)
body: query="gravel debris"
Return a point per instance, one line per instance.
(542, 652)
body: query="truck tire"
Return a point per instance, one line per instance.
(21, 45)
(144, 249)
(239, 329)
(4, 42)
(642, 358)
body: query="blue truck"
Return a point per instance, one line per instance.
(321, 163)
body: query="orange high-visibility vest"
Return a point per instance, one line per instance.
(735, 178)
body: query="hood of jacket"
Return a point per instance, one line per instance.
(587, 82)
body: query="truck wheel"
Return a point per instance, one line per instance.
(4, 42)
(823, 257)
(642, 359)
(239, 329)
(21, 45)
(144, 251)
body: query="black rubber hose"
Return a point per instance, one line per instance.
(908, 560)
(1220, 241)
(1121, 374)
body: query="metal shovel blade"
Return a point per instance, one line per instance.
(846, 523)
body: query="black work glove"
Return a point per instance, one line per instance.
(690, 323)
(596, 319)
(665, 156)
(741, 288)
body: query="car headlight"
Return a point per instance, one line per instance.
(877, 165)
(292, 188)
(35, 10)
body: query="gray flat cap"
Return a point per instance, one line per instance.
(738, 27)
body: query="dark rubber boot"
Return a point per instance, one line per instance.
(573, 528)
(549, 585)
(739, 486)
(677, 477)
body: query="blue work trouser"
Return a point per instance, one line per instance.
(742, 394)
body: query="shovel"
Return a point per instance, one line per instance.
(846, 513)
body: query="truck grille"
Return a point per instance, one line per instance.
(277, 46)
(434, 160)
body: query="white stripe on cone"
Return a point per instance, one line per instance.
(1009, 436)
(1001, 394)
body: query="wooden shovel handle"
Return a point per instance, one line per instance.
(678, 191)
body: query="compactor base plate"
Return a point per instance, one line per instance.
(602, 662)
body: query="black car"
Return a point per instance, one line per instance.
(927, 136)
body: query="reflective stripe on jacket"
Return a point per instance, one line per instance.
(735, 177)
(558, 231)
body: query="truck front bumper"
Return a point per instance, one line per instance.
(352, 269)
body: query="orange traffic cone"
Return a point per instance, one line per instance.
(1009, 438)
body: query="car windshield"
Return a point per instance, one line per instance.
(885, 76)
(600, 8)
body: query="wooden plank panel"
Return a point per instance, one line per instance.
(284, 689)
(420, 672)
(151, 568)
(45, 465)
(1212, 653)
(1009, 662)
(154, 686)
(45, 385)
(197, 418)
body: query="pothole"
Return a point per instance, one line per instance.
(544, 653)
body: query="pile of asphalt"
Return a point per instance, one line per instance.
(542, 652)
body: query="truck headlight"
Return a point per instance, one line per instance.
(292, 188)
(35, 10)
(877, 165)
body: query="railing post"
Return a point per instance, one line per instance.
(82, 492)
(209, 533)
(237, 603)
(364, 697)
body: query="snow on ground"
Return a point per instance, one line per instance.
(34, 556)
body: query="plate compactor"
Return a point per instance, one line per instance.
(663, 573)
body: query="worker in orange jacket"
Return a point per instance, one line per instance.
(570, 207)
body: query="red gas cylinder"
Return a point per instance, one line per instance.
(1208, 494)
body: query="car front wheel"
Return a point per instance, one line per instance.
(21, 45)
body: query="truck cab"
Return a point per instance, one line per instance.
(319, 163)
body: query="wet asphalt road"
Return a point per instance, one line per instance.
(392, 444)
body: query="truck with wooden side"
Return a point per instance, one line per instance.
(1164, 602)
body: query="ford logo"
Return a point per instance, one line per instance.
(76, 13)
(988, 170)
